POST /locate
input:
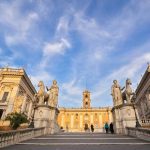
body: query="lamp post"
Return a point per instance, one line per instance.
(133, 104)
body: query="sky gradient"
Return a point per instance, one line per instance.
(80, 43)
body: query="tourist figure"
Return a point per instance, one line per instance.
(92, 128)
(111, 128)
(106, 127)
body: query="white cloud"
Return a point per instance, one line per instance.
(127, 22)
(71, 93)
(63, 26)
(96, 42)
(22, 29)
(131, 70)
(17, 25)
(1, 50)
(56, 47)
(71, 88)
(99, 41)
(88, 27)
(41, 75)
(97, 55)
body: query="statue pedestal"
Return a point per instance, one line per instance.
(123, 116)
(54, 127)
(46, 116)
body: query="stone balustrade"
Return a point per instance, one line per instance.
(145, 123)
(141, 133)
(13, 137)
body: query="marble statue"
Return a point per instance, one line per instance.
(116, 93)
(128, 91)
(53, 94)
(41, 94)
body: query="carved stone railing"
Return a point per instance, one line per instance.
(141, 133)
(145, 123)
(14, 137)
(11, 69)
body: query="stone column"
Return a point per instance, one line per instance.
(143, 110)
(91, 119)
(72, 121)
(30, 110)
(100, 121)
(81, 121)
(110, 117)
(24, 103)
(148, 98)
(62, 121)
(11, 100)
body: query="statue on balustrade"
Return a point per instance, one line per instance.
(53, 94)
(41, 96)
(116, 93)
(120, 96)
(48, 98)
(128, 92)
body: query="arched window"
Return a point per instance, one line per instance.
(86, 117)
(76, 116)
(86, 104)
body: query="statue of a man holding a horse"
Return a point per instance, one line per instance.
(120, 96)
(47, 98)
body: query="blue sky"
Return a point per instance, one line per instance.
(81, 44)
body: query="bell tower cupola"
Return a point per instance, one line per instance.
(86, 99)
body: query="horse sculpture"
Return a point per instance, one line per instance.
(41, 95)
(126, 95)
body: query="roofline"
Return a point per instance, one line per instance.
(142, 80)
(21, 72)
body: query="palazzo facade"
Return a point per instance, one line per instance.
(142, 100)
(16, 92)
(74, 119)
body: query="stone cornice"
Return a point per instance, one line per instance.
(18, 73)
(29, 82)
(120, 106)
(143, 81)
(47, 106)
(100, 109)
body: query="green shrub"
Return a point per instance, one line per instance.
(16, 119)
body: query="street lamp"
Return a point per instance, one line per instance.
(133, 104)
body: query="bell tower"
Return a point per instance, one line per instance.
(86, 99)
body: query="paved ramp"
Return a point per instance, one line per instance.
(82, 141)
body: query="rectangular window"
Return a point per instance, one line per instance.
(1, 113)
(4, 98)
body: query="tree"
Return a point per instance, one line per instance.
(16, 119)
